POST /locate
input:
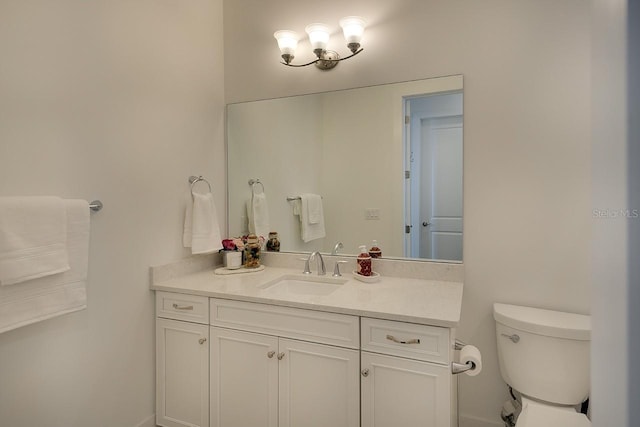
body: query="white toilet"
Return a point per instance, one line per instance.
(544, 355)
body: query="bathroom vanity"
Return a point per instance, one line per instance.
(277, 348)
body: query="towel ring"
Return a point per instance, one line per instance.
(253, 182)
(193, 180)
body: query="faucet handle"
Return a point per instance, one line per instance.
(336, 270)
(307, 269)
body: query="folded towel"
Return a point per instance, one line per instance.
(57, 294)
(258, 215)
(201, 229)
(33, 238)
(311, 230)
(314, 208)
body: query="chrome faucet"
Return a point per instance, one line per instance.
(338, 245)
(321, 268)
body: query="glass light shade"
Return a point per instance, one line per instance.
(287, 41)
(353, 28)
(318, 36)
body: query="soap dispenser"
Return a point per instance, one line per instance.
(375, 251)
(364, 262)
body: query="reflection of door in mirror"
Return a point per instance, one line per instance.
(433, 194)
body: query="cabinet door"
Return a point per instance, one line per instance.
(319, 385)
(182, 374)
(244, 379)
(399, 392)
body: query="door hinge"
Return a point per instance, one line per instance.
(407, 120)
(407, 174)
(407, 229)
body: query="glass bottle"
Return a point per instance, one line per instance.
(273, 244)
(252, 252)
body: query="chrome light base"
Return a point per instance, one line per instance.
(328, 60)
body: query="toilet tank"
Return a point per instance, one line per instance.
(544, 354)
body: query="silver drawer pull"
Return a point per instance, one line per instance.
(182, 307)
(412, 341)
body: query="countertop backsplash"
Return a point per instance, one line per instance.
(427, 270)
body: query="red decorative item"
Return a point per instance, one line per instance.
(364, 262)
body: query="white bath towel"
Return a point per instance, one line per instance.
(258, 215)
(57, 294)
(201, 228)
(33, 238)
(311, 217)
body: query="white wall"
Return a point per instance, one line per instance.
(616, 204)
(288, 168)
(121, 101)
(526, 68)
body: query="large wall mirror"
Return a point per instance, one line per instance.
(386, 161)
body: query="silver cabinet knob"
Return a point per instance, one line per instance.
(202, 340)
(280, 356)
(365, 372)
(271, 354)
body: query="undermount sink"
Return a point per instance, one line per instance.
(304, 285)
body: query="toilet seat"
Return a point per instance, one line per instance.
(536, 415)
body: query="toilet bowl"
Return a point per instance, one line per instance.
(544, 356)
(535, 414)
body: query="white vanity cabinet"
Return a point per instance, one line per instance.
(182, 360)
(406, 375)
(281, 367)
(230, 363)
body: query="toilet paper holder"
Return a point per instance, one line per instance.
(459, 368)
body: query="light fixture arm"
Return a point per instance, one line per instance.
(326, 61)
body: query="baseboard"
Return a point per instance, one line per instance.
(150, 421)
(469, 421)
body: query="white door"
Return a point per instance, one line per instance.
(440, 218)
(399, 392)
(244, 379)
(319, 385)
(182, 374)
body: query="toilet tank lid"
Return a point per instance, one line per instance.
(544, 322)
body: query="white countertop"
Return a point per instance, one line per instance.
(430, 302)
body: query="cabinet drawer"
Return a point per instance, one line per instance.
(191, 308)
(307, 325)
(420, 342)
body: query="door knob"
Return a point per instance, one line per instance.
(425, 223)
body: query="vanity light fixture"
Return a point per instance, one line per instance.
(352, 27)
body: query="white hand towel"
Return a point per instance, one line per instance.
(311, 230)
(187, 234)
(205, 231)
(258, 215)
(33, 238)
(314, 207)
(57, 294)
